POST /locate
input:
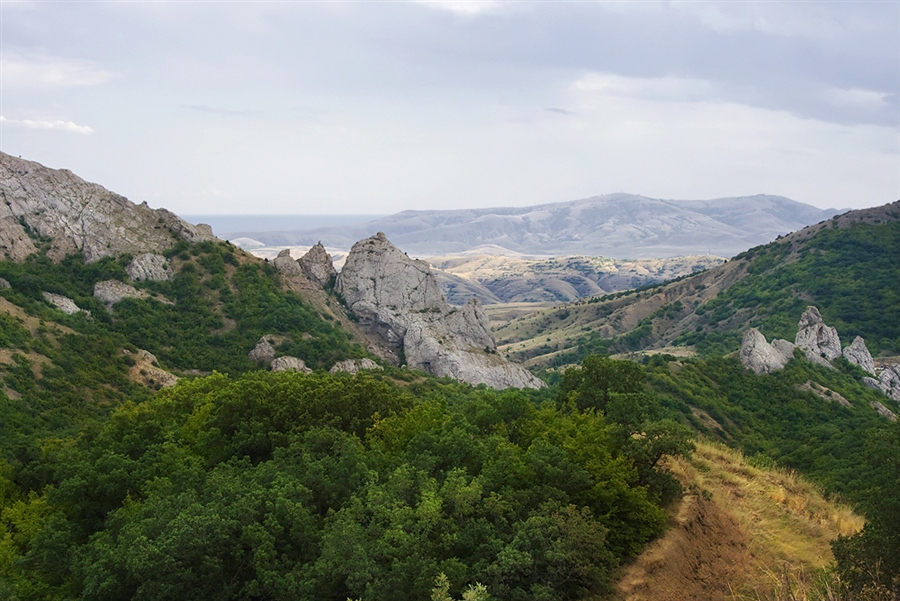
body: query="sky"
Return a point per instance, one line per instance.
(376, 107)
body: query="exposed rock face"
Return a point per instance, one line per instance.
(399, 299)
(818, 340)
(317, 265)
(263, 352)
(285, 264)
(63, 303)
(884, 411)
(149, 266)
(353, 365)
(112, 291)
(4, 285)
(762, 357)
(79, 216)
(148, 374)
(290, 364)
(889, 381)
(858, 353)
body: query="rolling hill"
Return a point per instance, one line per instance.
(615, 225)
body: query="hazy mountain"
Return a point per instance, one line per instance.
(615, 225)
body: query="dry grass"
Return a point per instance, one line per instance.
(775, 525)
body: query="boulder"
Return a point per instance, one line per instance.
(354, 365)
(4, 285)
(264, 351)
(290, 364)
(63, 303)
(817, 339)
(149, 266)
(762, 357)
(858, 354)
(285, 264)
(399, 299)
(111, 292)
(889, 380)
(317, 265)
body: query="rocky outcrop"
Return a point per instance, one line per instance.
(818, 340)
(884, 411)
(889, 381)
(4, 285)
(264, 351)
(399, 299)
(285, 264)
(858, 354)
(317, 265)
(146, 371)
(353, 366)
(111, 292)
(149, 266)
(78, 216)
(290, 364)
(762, 357)
(63, 303)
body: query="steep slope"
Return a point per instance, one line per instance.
(56, 208)
(846, 266)
(615, 225)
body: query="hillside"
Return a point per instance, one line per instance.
(616, 225)
(846, 266)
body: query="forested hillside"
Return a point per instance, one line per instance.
(845, 266)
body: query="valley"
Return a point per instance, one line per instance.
(183, 419)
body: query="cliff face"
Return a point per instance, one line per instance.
(399, 299)
(78, 216)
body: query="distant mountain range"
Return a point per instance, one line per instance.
(614, 225)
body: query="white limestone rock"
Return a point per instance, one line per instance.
(149, 266)
(762, 357)
(63, 303)
(820, 341)
(399, 299)
(858, 354)
(111, 292)
(285, 264)
(79, 216)
(4, 285)
(147, 372)
(264, 351)
(317, 265)
(290, 364)
(889, 380)
(354, 365)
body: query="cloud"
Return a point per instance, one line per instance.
(50, 72)
(462, 7)
(57, 125)
(559, 111)
(214, 110)
(672, 89)
(856, 98)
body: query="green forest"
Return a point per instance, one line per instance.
(240, 483)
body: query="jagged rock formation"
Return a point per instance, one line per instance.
(818, 340)
(290, 364)
(77, 216)
(762, 357)
(888, 382)
(858, 354)
(146, 372)
(399, 299)
(63, 303)
(285, 264)
(112, 291)
(264, 351)
(317, 265)
(149, 266)
(353, 366)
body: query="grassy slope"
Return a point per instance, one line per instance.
(846, 266)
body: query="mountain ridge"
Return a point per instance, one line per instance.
(614, 225)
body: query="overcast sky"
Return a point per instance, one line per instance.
(376, 107)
